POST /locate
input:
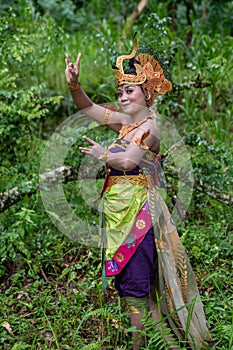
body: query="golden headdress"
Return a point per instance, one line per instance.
(149, 72)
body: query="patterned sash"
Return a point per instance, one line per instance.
(127, 249)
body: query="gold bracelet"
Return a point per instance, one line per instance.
(104, 155)
(107, 115)
(74, 87)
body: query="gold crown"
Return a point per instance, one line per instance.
(149, 73)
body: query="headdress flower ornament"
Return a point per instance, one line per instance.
(149, 72)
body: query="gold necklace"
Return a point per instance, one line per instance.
(129, 127)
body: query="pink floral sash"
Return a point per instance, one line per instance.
(127, 249)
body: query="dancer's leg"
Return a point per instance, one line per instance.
(137, 338)
(138, 308)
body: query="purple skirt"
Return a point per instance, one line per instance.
(137, 279)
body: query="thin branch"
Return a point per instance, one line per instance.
(44, 275)
(132, 18)
(212, 192)
(191, 84)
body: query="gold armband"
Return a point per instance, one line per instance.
(74, 87)
(107, 115)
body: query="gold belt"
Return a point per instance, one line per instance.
(126, 179)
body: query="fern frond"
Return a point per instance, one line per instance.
(160, 337)
(96, 313)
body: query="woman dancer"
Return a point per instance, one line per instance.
(141, 245)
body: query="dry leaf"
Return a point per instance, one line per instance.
(6, 325)
(20, 296)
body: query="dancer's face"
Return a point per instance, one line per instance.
(131, 98)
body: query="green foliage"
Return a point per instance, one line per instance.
(214, 170)
(20, 110)
(159, 336)
(25, 100)
(64, 12)
(28, 43)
